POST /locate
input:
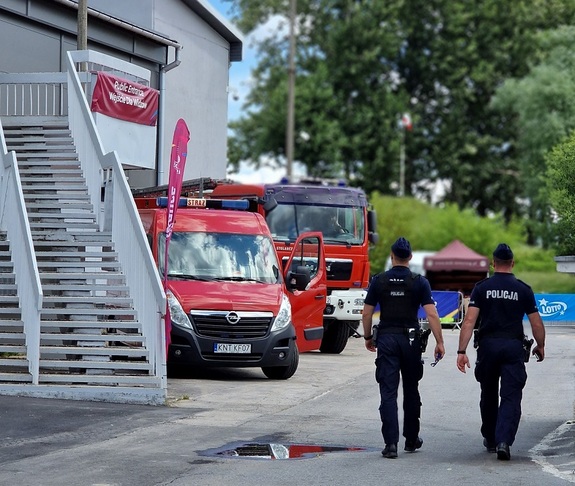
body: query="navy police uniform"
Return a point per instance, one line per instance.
(399, 294)
(503, 301)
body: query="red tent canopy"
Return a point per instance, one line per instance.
(455, 267)
(456, 256)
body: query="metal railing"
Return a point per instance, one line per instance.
(64, 94)
(14, 221)
(127, 232)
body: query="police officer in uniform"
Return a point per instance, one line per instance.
(397, 342)
(499, 304)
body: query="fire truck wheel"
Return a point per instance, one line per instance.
(283, 372)
(335, 336)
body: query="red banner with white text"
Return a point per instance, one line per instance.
(125, 100)
(177, 165)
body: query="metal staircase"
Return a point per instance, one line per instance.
(13, 359)
(90, 333)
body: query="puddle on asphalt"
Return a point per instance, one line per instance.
(256, 450)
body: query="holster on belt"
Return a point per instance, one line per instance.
(424, 338)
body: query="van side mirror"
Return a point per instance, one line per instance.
(372, 235)
(371, 221)
(270, 204)
(300, 279)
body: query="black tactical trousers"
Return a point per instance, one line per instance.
(500, 370)
(395, 357)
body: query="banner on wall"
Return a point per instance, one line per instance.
(125, 100)
(556, 307)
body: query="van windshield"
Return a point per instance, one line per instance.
(219, 256)
(338, 224)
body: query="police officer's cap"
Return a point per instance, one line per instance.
(503, 252)
(401, 248)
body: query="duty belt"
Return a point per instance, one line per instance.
(397, 330)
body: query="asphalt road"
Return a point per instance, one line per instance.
(331, 402)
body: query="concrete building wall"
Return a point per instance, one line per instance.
(36, 34)
(197, 90)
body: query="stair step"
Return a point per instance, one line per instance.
(15, 377)
(48, 155)
(36, 138)
(9, 299)
(51, 173)
(78, 264)
(94, 364)
(63, 225)
(100, 324)
(37, 215)
(14, 361)
(89, 299)
(103, 287)
(52, 187)
(11, 325)
(76, 254)
(56, 179)
(49, 163)
(106, 351)
(87, 311)
(12, 335)
(117, 277)
(6, 312)
(116, 380)
(110, 337)
(57, 197)
(28, 149)
(12, 348)
(53, 129)
(8, 287)
(68, 205)
(84, 238)
(57, 244)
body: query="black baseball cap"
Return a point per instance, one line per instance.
(401, 248)
(503, 252)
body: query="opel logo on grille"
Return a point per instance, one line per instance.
(233, 318)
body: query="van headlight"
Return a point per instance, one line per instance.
(283, 318)
(177, 314)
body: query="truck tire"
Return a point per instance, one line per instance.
(335, 336)
(283, 372)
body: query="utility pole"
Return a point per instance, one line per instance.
(291, 91)
(405, 125)
(82, 38)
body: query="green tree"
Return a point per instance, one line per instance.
(541, 105)
(362, 63)
(561, 185)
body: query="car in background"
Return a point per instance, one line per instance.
(416, 262)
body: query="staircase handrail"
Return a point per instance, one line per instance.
(14, 220)
(127, 232)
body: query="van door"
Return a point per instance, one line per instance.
(307, 262)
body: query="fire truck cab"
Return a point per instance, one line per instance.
(348, 225)
(229, 301)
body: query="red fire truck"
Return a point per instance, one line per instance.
(348, 225)
(230, 303)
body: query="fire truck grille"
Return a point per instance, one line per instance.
(339, 269)
(216, 325)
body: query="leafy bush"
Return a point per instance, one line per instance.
(432, 228)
